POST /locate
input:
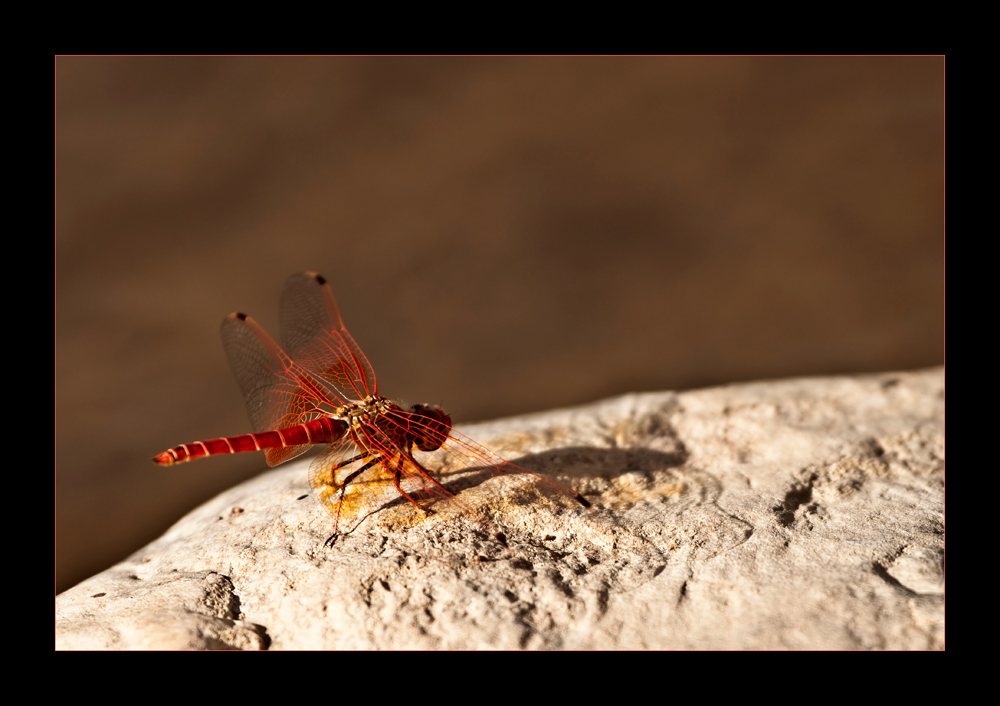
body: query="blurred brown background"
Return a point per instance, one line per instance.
(504, 235)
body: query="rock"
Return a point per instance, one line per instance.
(793, 514)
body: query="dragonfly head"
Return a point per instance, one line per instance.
(430, 428)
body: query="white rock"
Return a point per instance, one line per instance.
(797, 514)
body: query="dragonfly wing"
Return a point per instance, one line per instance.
(278, 392)
(315, 337)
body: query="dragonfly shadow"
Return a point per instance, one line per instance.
(632, 480)
(655, 496)
(559, 474)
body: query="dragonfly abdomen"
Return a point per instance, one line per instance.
(318, 431)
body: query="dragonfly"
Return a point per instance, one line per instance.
(318, 387)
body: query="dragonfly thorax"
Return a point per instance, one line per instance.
(378, 424)
(363, 412)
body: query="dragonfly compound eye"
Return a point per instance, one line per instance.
(430, 429)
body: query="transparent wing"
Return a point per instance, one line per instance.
(315, 337)
(278, 392)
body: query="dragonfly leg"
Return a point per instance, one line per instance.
(395, 481)
(332, 539)
(348, 462)
(354, 474)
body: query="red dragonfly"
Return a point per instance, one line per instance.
(318, 388)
